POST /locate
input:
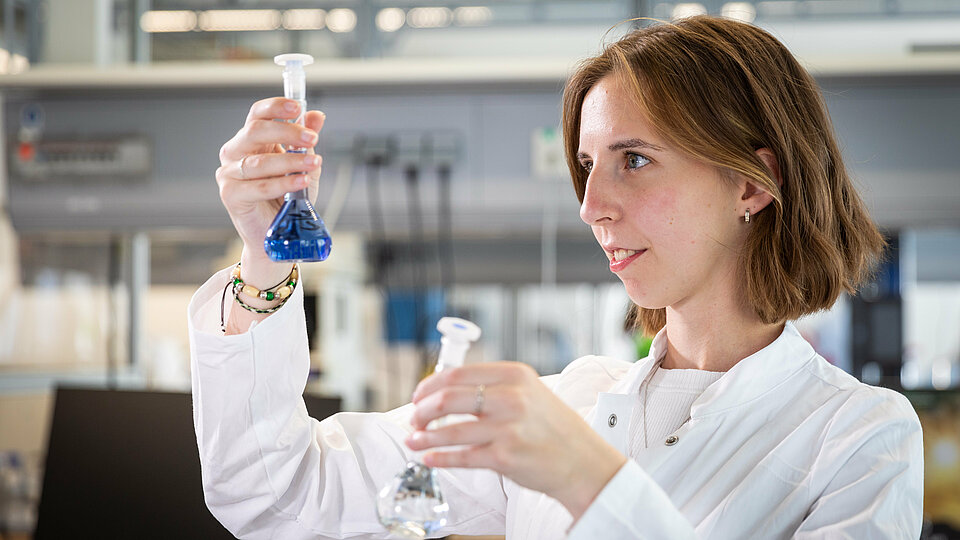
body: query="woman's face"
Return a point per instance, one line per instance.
(669, 224)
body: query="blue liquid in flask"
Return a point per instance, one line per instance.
(297, 233)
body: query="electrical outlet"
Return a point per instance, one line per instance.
(547, 161)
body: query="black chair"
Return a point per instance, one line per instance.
(124, 464)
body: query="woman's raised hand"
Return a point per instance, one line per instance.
(253, 176)
(255, 173)
(524, 431)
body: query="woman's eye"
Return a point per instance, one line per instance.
(587, 165)
(635, 161)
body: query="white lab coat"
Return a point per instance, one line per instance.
(783, 445)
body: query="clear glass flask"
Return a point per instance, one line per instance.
(297, 233)
(411, 505)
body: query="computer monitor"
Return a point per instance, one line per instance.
(124, 464)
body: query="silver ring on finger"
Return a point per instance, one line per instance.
(243, 175)
(478, 400)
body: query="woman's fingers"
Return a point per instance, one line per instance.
(496, 401)
(460, 433)
(314, 120)
(259, 134)
(450, 400)
(274, 107)
(265, 189)
(258, 166)
(486, 444)
(487, 373)
(262, 131)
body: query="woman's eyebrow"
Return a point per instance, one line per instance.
(623, 145)
(633, 143)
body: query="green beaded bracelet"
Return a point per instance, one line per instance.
(288, 285)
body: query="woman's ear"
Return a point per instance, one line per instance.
(770, 159)
(754, 197)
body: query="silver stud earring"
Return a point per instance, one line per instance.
(746, 216)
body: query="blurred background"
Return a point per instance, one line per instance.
(446, 192)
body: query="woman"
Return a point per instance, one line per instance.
(706, 166)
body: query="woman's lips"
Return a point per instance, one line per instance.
(618, 265)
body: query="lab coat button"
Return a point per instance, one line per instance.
(612, 420)
(671, 440)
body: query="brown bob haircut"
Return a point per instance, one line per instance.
(719, 90)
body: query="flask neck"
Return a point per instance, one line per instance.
(296, 195)
(452, 353)
(295, 85)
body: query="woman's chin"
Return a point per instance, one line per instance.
(644, 297)
(644, 301)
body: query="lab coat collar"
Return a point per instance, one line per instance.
(755, 375)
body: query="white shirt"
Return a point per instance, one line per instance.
(663, 405)
(782, 445)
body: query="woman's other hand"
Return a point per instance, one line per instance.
(255, 172)
(524, 431)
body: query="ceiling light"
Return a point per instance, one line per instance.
(304, 19)
(741, 11)
(390, 19)
(472, 15)
(429, 17)
(239, 20)
(341, 20)
(18, 64)
(687, 10)
(168, 21)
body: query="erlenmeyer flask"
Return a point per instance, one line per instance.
(297, 232)
(411, 505)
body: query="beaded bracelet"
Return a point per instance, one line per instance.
(248, 307)
(282, 290)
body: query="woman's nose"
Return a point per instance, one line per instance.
(598, 205)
